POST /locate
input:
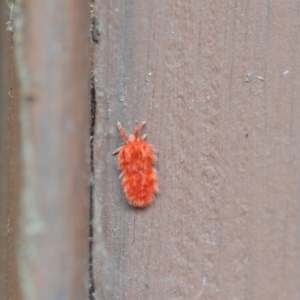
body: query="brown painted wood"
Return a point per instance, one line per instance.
(51, 49)
(217, 83)
(9, 160)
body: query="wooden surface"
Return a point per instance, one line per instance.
(217, 83)
(9, 160)
(51, 52)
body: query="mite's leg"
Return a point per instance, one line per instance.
(122, 131)
(117, 151)
(138, 129)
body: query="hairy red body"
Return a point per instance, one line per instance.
(135, 159)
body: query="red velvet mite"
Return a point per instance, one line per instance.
(135, 159)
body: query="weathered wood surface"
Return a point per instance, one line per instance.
(9, 160)
(217, 83)
(51, 51)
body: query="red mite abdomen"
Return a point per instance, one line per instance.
(139, 176)
(140, 188)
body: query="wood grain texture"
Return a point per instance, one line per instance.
(217, 83)
(9, 160)
(51, 48)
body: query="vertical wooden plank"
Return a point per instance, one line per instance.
(9, 158)
(52, 56)
(217, 83)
